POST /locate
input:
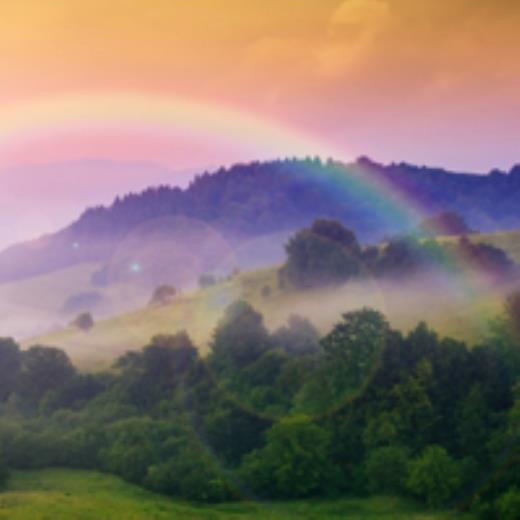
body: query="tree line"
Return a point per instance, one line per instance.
(284, 414)
(327, 253)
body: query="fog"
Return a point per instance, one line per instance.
(451, 305)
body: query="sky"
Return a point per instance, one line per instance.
(193, 84)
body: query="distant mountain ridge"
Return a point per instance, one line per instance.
(248, 201)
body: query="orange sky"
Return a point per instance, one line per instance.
(420, 80)
(426, 81)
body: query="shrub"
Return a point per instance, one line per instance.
(434, 476)
(84, 321)
(10, 362)
(386, 469)
(191, 475)
(509, 504)
(4, 471)
(293, 464)
(163, 295)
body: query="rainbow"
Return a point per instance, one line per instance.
(168, 116)
(171, 117)
(246, 135)
(256, 136)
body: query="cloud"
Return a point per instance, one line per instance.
(367, 15)
(353, 27)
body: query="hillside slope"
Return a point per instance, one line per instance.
(245, 202)
(460, 313)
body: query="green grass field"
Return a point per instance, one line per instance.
(57, 494)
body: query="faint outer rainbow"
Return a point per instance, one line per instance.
(141, 112)
(88, 113)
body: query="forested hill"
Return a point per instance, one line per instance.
(258, 198)
(251, 200)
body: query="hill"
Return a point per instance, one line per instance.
(441, 302)
(233, 207)
(63, 494)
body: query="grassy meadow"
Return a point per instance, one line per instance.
(57, 494)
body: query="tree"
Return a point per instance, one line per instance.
(509, 504)
(401, 257)
(486, 258)
(513, 314)
(353, 349)
(232, 431)
(434, 476)
(326, 253)
(474, 425)
(386, 469)
(44, 369)
(413, 407)
(4, 471)
(190, 474)
(294, 463)
(239, 339)
(10, 362)
(163, 295)
(133, 446)
(446, 223)
(76, 392)
(84, 321)
(299, 337)
(153, 374)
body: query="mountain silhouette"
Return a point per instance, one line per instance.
(246, 203)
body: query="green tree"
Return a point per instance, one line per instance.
(507, 332)
(382, 430)
(474, 425)
(44, 369)
(133, 445)
(485, 258)
(10, 362)
(401, 257)
(190, 474)
(298, 337)
(415, 413)
(232, 431)
(353, 349)
(386, 469)
(434, 476)
(326, 253)
(239, 339)
(508, 504)
(294, 463)
(257, 384)
(4, 471)
(513, 311)
(153, 374)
